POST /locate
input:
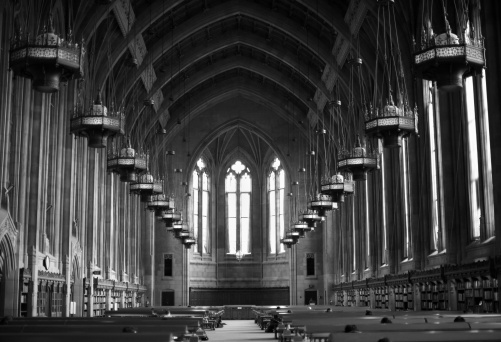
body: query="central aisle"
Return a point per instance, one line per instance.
(239, 330)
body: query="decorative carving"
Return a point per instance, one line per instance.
(158, 97)
(355, 15)
(125, 15)
(329, 77)
(50, 276)
(340, 50)
(312, 117)
(148, 77)
(7, 226)
(137, 49)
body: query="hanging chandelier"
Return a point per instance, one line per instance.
(160, 202)
(177, 227)
(146, 186)
(127, 163)
(288, 241)
(338, 186)
(446, 57)
(321, 204)
(311, 218)
(47, 59)
(170, 216)
(391, 123)
(96, 123)
(358, 161)
(189, 241)
(301, 227)
(384, 118)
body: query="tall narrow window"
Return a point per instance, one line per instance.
(167, 265)
(367, 225)
(437, 243)
(200, 181)
(474, 176)
(405, 185)
(276, 205)
(310, 264)
(238, 188)
(383, 204)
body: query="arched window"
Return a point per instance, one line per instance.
(438, 237)
(276, 200)
(238, 188)
(200, 180)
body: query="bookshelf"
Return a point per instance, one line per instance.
(99, 302)
(434, 296)
(42, 300)
(404, 299)
(116, 299)
(23, 298)
(381, 298)
(56, 301)
(351, 298)
(491, 295)
(365, 298)
(129, 299)
(340, 298)
(86, 299)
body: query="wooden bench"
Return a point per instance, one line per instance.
(102, 337)
(441, 336)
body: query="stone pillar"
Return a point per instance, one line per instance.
(67, 292)
(34, 283)
(90, 291)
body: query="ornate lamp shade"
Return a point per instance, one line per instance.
(311, 218)
(445, 57)
(182, 234)
(301, 227)
(178, 227)
(358, 162)
(127, 164)
(170, 217)
(189, 241)
(289, 242)
(321, 204)
(337, 187)
(46, 59)
(391, 123)
(145, 187)
(97, 124)
(160, 202)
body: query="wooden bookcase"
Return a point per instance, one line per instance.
(24, 298)
(491, 295)
(365, 298)
(340, 298)
(404, 299)
(99, 302)
(381, 297)
(351, 297)
(434, 296)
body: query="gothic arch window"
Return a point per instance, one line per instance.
(438, 238)
(406, 203)
(238, 190)
(276, 207)
(201, 204)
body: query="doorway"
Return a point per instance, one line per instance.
(167, 298)
(310, 297)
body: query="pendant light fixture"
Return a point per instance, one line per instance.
(456, 50)
(388, 119)
(45, 57)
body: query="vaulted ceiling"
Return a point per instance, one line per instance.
(288, 55)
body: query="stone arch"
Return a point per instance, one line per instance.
(8, 277)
